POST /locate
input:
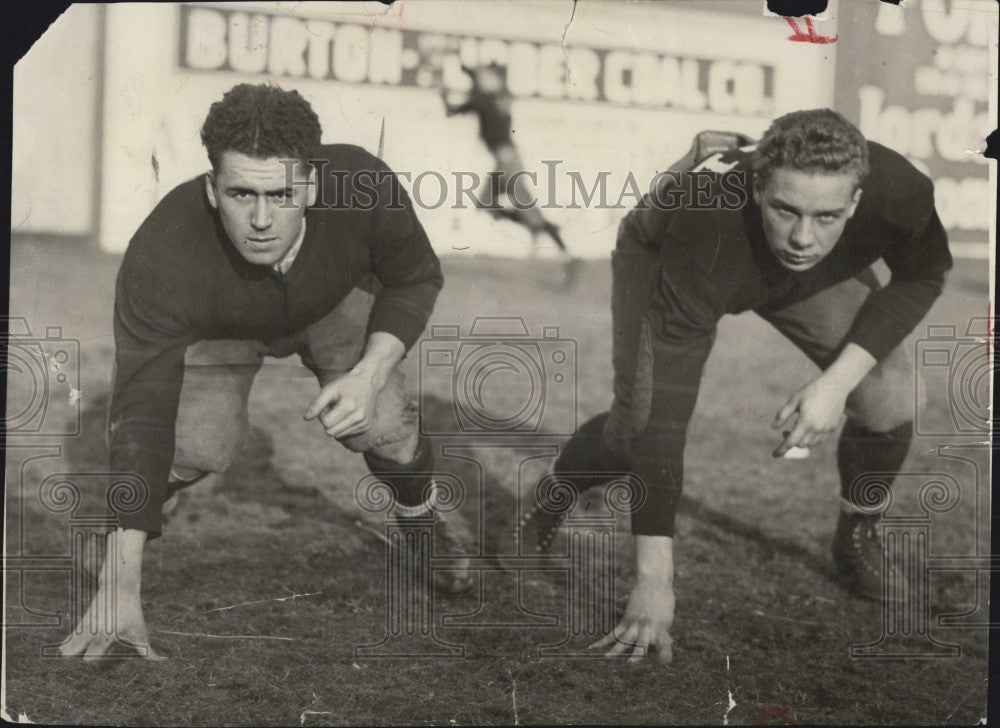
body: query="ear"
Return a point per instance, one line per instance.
(854, 202)
(313, 187)
(210, 189)
(758, 189)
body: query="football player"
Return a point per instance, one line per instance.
(285, 246)
(790, 230)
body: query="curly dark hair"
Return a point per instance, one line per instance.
(815, 140)
(261, 121)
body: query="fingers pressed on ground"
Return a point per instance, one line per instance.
(96, 649)
(73, 646)
(647, 638)
(623, 643)
(148, 653)
(664, 647)
(602, 642)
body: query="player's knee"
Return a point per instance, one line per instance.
(210, 453)
(393, 430)
(886, 398)
(397, 445)
(882, 414)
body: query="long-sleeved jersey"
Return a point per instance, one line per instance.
(717, 261)
(182, 280)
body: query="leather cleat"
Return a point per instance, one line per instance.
(861, 560)
(451, 538)
(537, 530)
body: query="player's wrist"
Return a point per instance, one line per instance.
(849, 369)
(368, 371)
(655, 580)
(655, 561)
(122, 566)
(838, 381)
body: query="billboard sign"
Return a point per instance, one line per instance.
(917, 78)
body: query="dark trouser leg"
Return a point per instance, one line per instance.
(583, 453)
(603, 443)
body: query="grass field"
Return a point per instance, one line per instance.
(268, 581)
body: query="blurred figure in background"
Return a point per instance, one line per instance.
(491, 105)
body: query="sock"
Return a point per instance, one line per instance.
(862, 451)
(408, 481)
(583, 453)
(179, 481)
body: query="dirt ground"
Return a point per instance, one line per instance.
(271, 591)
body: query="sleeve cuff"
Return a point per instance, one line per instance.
(149, 519)
(396, 320)
(655, 516)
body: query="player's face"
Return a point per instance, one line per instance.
(261, 206)
(804, 213)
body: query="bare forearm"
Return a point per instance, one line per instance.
(123, 559)
(850, 367)
(654, 556)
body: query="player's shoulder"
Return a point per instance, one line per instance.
(893, 177)
(182, 216)
(894, 193)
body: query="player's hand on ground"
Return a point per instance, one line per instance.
(646, 624)
(816, 409)
(106, 622)
(344, 407)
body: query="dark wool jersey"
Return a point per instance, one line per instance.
(717, 261)
(494, 118)
(182, 281)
